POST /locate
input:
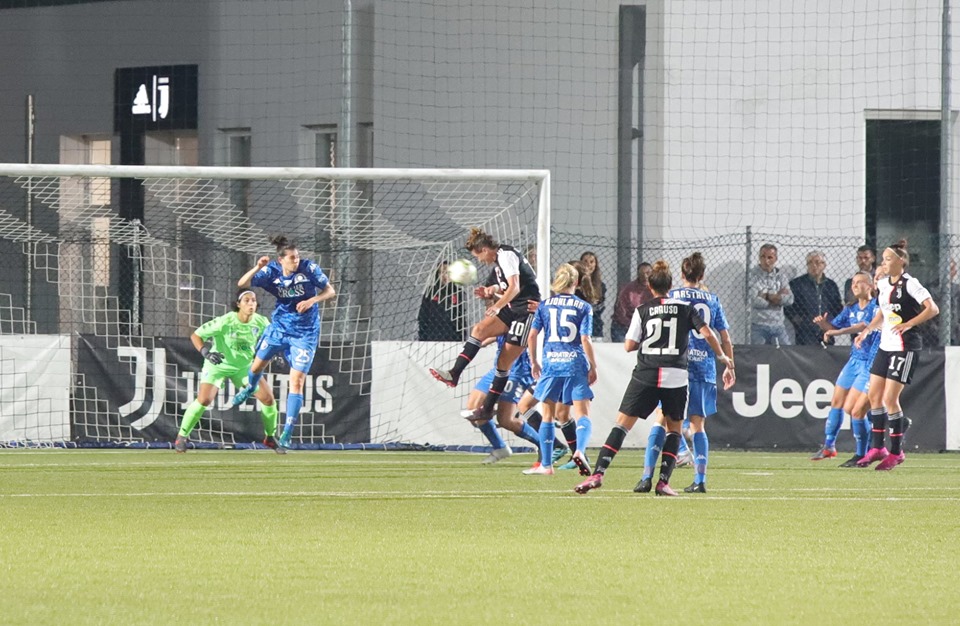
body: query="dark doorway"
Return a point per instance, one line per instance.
(903, 190)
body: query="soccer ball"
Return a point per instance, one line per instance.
(462, 272)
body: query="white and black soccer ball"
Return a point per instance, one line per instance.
(462, 272)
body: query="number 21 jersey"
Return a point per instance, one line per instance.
(662, 328)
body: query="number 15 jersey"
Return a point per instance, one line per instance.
(662, 328)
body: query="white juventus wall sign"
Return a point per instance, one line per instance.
(155, 98)
(158, 104)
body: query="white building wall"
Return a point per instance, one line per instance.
(755, 110)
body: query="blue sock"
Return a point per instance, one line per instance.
(490, 431)
(683, 449)
(294, 404)
(584, 430)
(529, 434)
(254, 379)
(832, 427)
(654, 445)
(547, 432)
(861, 433)
(701, 452)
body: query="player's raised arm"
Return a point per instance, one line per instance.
(246, 279)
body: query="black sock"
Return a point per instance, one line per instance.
(668, 456)
(878, 422)
(534, 418)
(496, 388)
(470, 349)
(897, 425)
(610, 449)
(570, 433)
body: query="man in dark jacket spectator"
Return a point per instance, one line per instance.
(866, 262)
(813, 294)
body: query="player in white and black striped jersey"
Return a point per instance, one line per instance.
(509, 315)
(904, 304)
(660, 331)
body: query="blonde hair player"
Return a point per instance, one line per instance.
(568, 368)
(904, 305)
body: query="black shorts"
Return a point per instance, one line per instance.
(640, 399)
(518, 325)
(896, 366)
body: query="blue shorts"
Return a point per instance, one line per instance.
(855, 375)
(298, 351)
(702, 398)
(563, 389)
(516, 386)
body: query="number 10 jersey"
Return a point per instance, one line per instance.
(662, 328)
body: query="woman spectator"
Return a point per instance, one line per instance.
(589, 259)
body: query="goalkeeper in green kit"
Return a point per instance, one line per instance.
(228, 344)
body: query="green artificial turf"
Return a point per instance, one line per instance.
(316, 537)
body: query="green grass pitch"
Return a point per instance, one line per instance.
(239, 537)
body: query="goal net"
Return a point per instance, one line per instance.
(113, 268)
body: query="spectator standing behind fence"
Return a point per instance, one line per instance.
(813, 295)
(866, 262)
(441, 310)
(589, 259)
(631, 295)
(769, 294)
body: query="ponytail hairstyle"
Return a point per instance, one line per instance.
(900, 249)
(586, 288)
(693, 268)
(478, 239)
(661, 280)
(282, 244)
(565, 277)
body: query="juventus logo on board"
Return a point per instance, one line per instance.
(158, 104)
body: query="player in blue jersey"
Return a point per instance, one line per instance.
(514, 405)
(299, 285)
(701, 376)
(850, 391)
(568, 427)
(569, 367)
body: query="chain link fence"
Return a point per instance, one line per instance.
(730, 257)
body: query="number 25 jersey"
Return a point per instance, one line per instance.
(662, 328)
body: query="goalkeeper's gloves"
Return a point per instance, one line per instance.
(214, 357)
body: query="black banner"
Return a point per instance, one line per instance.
(121, 385)
(162, 97)
(782, 398)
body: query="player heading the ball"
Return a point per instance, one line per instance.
(516, 285)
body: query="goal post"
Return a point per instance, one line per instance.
(126, 261)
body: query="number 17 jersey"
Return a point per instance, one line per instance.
(662, 328)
